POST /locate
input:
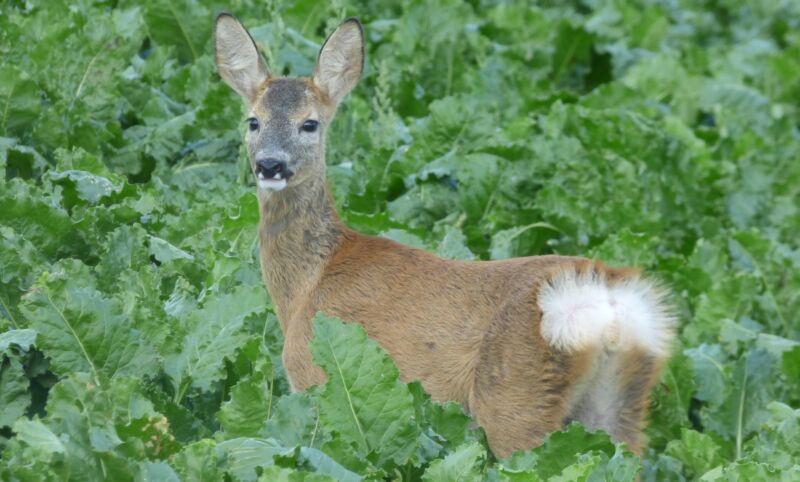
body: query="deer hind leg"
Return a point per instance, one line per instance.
(614, 394)
(518, 408)
(522, 387)
(623, 321)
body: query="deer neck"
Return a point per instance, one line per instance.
(299, 231)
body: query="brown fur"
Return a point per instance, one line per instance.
(469, 331)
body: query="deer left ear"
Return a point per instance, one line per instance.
(240, 64)
(341, 60)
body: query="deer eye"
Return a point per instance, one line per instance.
(309, 126)
(252, 124)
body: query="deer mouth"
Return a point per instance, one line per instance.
(272, 177)
(270, 184)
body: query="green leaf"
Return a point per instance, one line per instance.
(36, 434)
(572, 46)
(20, 101)
(744, 408)
(663, 468)
(280, 474)
(245, 414)
(363, 399)
(22, 339)
(482, 173)
(82, 330)
(562, 449)
(461, 465)
(158, 472)
(165, 252)
(182, 24)
(87, 186)
(454, 245)
(505, 243)
(39, 220)
(198, 461)
(749, 470)
(20, 262)
(295, 421)
(404, 237)
(698, 452)
(627, 249)
(14, 395)
(19, 161)
(791, 365)
(323, 464)
(778, 440)
(246, 454)
(92, 430)
(447, 422)
(623, 465)
(586, 466)
(123, 250)
(710, 372)
(213, 334)
(670, 410)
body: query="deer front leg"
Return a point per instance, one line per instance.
(297, 360)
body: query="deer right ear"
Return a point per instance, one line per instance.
(239, 62)
(341, 60)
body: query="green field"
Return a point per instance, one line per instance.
(137, 341)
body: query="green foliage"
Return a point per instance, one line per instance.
(137, 341)
(363, 401)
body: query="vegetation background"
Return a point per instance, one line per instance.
(137, 340)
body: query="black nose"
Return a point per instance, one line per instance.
(270, 168)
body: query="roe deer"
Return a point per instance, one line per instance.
(524, 344)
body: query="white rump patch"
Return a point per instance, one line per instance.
(583, 310)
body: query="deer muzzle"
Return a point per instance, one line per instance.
(272, 174)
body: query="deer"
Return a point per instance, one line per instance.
(525, 345)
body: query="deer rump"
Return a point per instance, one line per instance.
(525, 344)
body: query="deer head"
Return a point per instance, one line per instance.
(288, 116)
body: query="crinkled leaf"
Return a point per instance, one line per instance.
(14, 395)
(246, 454)
(21, 99)
(363, 399)
(87, 186)
(698, 452)
(36, 434)
(248, 409)
(750, 389)
(198, 461)
(710, 373)
(181, 24)
(294, 421)
(461, 465)
(22, 339)
(280, 474)
(80, 329)
(213, 334)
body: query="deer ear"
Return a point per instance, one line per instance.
(341, 60)
(240, 64)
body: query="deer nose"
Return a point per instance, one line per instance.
(271, 169)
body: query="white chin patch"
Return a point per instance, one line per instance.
(272, 184)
